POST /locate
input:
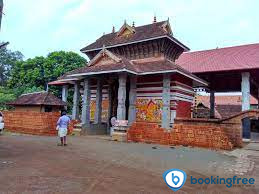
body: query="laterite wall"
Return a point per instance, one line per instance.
(34, 123)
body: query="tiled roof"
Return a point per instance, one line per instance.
(38, 98)
(225, 106)
(221, 59)
(144, 32)
(141, 67)
(225, 100)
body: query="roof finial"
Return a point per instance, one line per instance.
(113, 29)
(154, 21)
(133, 24)
(103, 50)
(168, 19)
(103, 33)
(125, 22)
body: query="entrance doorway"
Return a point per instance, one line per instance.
(114, 98)
(255, 130)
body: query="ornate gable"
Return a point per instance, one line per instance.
(104, 56)
(126, 30)
(167, 28)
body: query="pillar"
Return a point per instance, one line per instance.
(64, 93)
(258, 98)
(121, 109)
(98, 104)
(75, 111)
(245, 88)
(166, 101)
(132, 99)
(212, 104)
(86, 103)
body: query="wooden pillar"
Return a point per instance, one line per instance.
(86, 103)
(212, 104)
(75, 111)
(166, 101)
(132, 99)
(98, 107)
(245, 88)
(121, 109)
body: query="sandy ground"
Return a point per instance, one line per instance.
(33, 164)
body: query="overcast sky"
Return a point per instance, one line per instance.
(37, 27)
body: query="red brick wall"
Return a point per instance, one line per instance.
(35, 123)
(183, 109)
(210, 133)
(208, 136)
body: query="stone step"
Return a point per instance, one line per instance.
(77, 129)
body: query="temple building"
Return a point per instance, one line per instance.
(144, 74)
(132, 75)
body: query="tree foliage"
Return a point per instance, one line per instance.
(19, 76)
(37, 72)
(8, 60)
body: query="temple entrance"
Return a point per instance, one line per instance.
(114, 98)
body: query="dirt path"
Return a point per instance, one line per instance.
(32, 164)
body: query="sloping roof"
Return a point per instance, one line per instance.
(38, 98)
(137, 67)
(225, 106)
(221, 59)
(225, 100)
(145, 32)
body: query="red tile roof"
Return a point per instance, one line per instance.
(38, 98)
(142, 33)
(225, 106)
(139, 67)
(225, 100)
(221, 59)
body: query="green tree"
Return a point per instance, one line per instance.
(6, 95)
(34, 74)
(8, 59)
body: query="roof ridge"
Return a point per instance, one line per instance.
(45, 98)
(227, 47)
(134, 27)
(33, 93)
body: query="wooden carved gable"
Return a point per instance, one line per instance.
(167, 28)
(104, 57)
(125, 30)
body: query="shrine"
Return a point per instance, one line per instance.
(144, 75)
(132, 75)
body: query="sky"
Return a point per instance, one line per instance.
(37, 27)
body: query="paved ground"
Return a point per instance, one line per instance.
(33, 164)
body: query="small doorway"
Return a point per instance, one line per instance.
(255, 129)
(246, 125)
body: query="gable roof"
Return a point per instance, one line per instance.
(125, 27)
(142, 33)
(38, 98)
(156, 65)
(221, 59)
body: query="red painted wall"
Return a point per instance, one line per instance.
(183, 109)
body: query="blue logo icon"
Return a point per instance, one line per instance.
(175, 178)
